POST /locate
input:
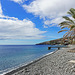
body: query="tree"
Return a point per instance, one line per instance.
(70, 24)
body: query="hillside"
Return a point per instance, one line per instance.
(53, 42)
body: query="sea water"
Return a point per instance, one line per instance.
(12, 56)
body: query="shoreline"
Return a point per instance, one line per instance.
(27, 64)
(51, 61)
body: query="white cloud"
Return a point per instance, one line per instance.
(19, 29)
(50, 9)
(19, 1)
(53, 22)
(13, 28)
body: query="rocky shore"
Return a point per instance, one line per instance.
(60, 62)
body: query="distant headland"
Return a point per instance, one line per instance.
(59, 41)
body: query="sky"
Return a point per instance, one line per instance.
(27, 22)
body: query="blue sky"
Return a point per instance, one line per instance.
(24, 22)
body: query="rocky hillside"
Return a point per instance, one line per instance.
(53, 42)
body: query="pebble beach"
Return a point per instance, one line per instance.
(60, 62)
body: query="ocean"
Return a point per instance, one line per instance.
(12, 56)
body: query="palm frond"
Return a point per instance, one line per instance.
(67, 18)
(65, 23)
(72, 11)
(72, 27)
(63, 26)
(66, 34)
(62, 31)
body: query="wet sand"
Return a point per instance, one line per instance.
(60, 62)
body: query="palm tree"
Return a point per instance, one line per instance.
(70, 24)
